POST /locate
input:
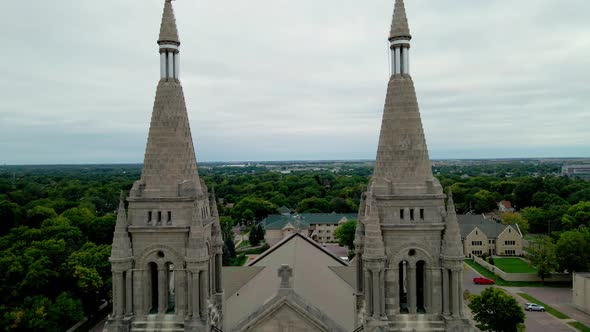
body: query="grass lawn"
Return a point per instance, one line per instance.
(244, 244)
(580, 327)
(501, 282)
(549, 309)
(514, 265)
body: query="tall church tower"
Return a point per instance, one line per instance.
(167, 247)
(409, 253)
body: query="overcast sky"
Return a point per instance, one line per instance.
(298, 79)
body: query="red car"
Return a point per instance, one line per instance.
(483, 281)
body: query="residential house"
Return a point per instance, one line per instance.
(485, 236)
(505, 206)
(318, 226)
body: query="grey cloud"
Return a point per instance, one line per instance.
(279, 79)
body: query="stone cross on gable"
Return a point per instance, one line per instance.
(285, 273)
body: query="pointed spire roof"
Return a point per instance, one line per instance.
(402, 154)
(170, 164)
(399, 25)
(168, 30)
(452, 247)
(121, 247)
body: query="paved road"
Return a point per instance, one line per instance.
(534, 321)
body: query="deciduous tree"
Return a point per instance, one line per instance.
(494, 310)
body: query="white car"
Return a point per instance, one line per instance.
(533, 307)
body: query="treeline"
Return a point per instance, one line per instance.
(56, 223)
(56, 227)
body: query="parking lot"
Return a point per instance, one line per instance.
(534, 321)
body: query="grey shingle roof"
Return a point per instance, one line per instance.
(276, 221)
(491, 229)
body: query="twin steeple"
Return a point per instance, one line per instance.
(170, 165)
(403, 164)
(399, 39)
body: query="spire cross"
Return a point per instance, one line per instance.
(285, 273)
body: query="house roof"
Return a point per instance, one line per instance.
(506, 204)
(276, 221)
(468, 222)
(291, 237)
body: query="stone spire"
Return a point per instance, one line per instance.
(402, 156)
(121, 247)
(452, 247)
(168, 30)
(170, 165)
(399, 25)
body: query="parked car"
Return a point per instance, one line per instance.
(533, 307)
(483, 281)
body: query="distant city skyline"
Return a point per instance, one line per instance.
(278, 80)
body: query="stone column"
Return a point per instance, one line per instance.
(195, 295)
(368, 293)
(461, 313)
(428, 288)
(203, 303)
(180, 292)
(455, 292)
(376, 296)
(445, 295)
(412, 294)
(382, 292)
(120, 296)
(397, 70)
(162, 290)
(359, 272)
(391, 278)
(218, 268)
(138, 292)
(129, 294)
(170, 64)
(114, 286)
(163, 64)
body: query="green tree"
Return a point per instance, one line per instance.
(541, 252)
(345, 234)
(515, 218)
(537, 219)
(314, 205)
(38, 214)
(573, 251)
(229, 252)
(11, 215)
(256, 235)
(259, 206)
(494, 310)
(485, 201)
(89, 268)
(577, 215)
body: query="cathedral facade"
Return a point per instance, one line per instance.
(167, 248)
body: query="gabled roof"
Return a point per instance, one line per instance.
(490, 229)
(276, 221)
(290, 238)
(234, 277)
(346, 273)
(282, 221)
(290, 299)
